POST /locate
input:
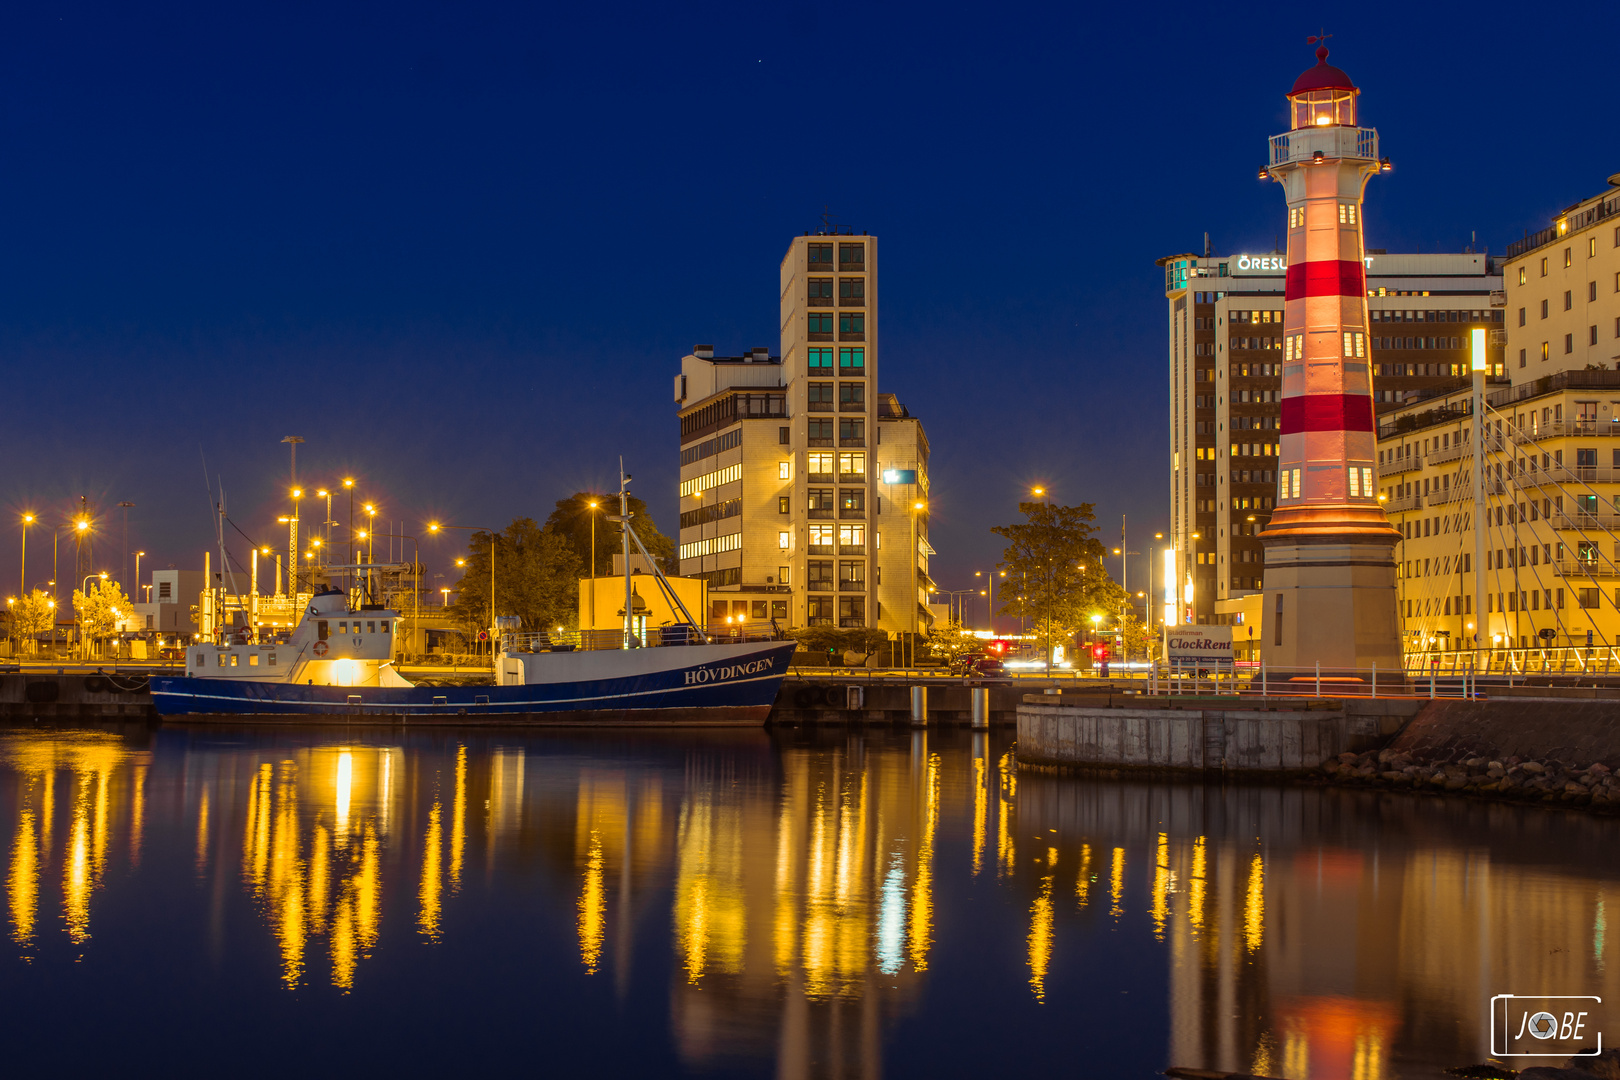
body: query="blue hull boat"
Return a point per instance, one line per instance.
(697, 685)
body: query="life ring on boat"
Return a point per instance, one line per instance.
(245, 633)
(320, 648)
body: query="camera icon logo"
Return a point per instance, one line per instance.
(1546, 1025)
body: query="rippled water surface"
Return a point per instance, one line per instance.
(254, 902)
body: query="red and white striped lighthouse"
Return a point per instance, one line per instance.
(1330, 568)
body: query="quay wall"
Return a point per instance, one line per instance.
(48, 696)
(1222, 737)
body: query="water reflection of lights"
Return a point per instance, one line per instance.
(428, 891)
(1040, 938)
(592, 906)
(1254, 905)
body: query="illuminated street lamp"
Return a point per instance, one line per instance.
(22, 583)
(446, 594)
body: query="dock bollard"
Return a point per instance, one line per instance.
(919, 706)
(980, 699)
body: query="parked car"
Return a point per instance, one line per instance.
(981, 667)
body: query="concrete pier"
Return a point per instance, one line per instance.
(1212, 735)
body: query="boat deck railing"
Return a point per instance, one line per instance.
(652, 637)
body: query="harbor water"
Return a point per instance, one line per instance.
(790, 903)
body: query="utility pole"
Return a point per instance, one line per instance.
(292, 524)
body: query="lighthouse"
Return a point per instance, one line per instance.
(1330, 590)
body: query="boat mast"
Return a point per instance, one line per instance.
(624, 535)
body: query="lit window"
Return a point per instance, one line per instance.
(784, 470)
(783, 540)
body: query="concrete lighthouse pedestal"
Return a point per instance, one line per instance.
(1331, 596)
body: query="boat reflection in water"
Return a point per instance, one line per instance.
(799, 904)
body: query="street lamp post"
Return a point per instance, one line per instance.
(292, 540)
(916, 508)
(592, 505)
(435, 527)
(371, 544)
(22, 584)
(138, 555)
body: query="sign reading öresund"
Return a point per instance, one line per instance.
(1198, 644)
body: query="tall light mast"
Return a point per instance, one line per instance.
(1330, 588)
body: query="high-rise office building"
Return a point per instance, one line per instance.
(804, 490)
(1227, 351)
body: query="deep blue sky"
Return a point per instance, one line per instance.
(461, 248)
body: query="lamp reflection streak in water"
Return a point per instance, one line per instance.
(202, 832)
(1198, 884)
(137, 815)
(429, 891)
(458, 819)
(22, 879)
(1116, 883)
(1083, 880)
(1163, 886)
(592, 907)
(1254, 905)
(342, 784)
(1006, 849)
(1040, 936)
(922, 899)
(981, 805)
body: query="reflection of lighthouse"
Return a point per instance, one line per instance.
(1330, 569)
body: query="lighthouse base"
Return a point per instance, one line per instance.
(1331, 600)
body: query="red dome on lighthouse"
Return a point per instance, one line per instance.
(1324, 76)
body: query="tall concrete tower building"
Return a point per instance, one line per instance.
(1330, 580)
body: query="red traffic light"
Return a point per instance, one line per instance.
(1099, 652)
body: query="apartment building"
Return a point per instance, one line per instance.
(1551, 530)
(1226, 363)
(794, 469)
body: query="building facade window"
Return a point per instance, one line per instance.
(851, 611)
(851, 432)
(821, 539)
(821, 432)
(819, 361)
(819, 611)
(819, 256)
(852, 291)
(852, 362)
(819, 396)
(852, 397)
(852, 502)
(821, 322)
(852, 324)
(821, 292)
(852, 539)
(819, 502)
(852, 257)
(820, 468)
(852, 468)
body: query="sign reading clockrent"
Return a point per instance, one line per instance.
(1198, 644)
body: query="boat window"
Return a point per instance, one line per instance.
(202, 659)
(233, 659)
(221, 659)
(371, 627)
(343, 627)
(321, 629)
(253, 659)
(272, 659)
(384, 627)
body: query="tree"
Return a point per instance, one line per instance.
(536, 578)
(33, 615)
(952, 643)
(1055, 575)
(865, 640)
(572, 520)
(100, 610)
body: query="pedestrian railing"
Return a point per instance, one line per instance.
(1243, 678)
